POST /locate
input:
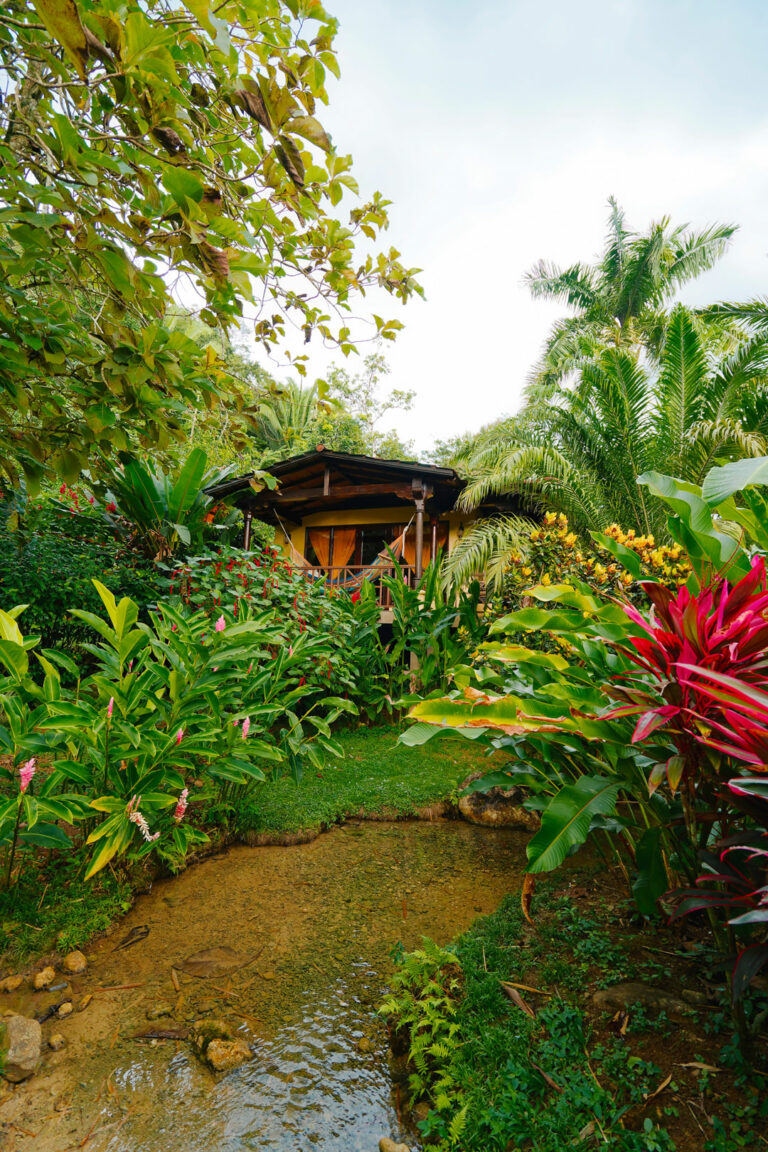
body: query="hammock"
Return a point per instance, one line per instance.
(353, 582)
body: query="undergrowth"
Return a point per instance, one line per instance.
(497, 1080)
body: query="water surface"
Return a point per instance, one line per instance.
(322, 920)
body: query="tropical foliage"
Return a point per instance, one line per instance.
(52, 547)
(513, 554)
(662, 708)
(178, 704)
(142, 140)
(157, 513)
(581, 451)
(341, 413)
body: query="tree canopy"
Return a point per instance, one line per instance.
(150, 145)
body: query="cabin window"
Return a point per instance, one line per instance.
(357, 546)
(340, 546)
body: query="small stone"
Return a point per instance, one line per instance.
(364, 1045)
(623, 996)
(83, 1004)
(496, 808)
(20, 1043)
(692, 996)
(11, 983)
(56, 1041)
(74, 963)
(224, 1055)
(206, 1031)
(387, 1145)
(43, 978)
(65, 1009)
(205, 1006)
(420, 1110)
(159, 1010)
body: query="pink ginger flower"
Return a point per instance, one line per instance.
(179, 735)
(26, 772)
(181, 806)
(250, 666)
(235, 721)
(221, 623)
(137, 818)
(246, 726)
(110, 707)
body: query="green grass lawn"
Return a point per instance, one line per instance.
(376, 775)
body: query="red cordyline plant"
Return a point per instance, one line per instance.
(708, 654)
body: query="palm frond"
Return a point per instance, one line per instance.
(752, 313)
(487, 547)
(699, 251)
(681, 386)
(573, 286)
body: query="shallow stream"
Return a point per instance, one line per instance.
(315, 926)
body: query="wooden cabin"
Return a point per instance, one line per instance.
(339, 516)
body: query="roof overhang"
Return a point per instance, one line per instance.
(324, 480)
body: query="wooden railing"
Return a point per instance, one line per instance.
(351, 576)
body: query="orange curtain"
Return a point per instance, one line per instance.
(344, 540)
(320, 539)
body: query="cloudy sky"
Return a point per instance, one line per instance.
(500, 127)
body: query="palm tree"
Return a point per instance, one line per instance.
(287, 420)
(620, 301)
(581, 452)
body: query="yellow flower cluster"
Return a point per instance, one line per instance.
(555, 555)
(663, 561)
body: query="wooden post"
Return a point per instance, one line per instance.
(419, 501)
(433, 545)
(247, 531)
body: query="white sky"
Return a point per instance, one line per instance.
(500, 128)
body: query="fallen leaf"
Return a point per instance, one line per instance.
(516, 998)
(699, 1067)
(529, 885)
(652, 1095)
(587, 1131)
(548, 1079)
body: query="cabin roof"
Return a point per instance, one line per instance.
(324, 480)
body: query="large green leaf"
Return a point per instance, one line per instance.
(566, 819)
(46, 836)
(187, 487)
(720, 483)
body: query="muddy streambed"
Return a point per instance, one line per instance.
(315, 926)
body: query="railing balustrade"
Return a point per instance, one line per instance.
(351, 576)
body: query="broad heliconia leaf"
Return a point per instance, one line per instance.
(721, 483)
(625, 556)
(419, 734)
(566, 819)
(518, 654)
